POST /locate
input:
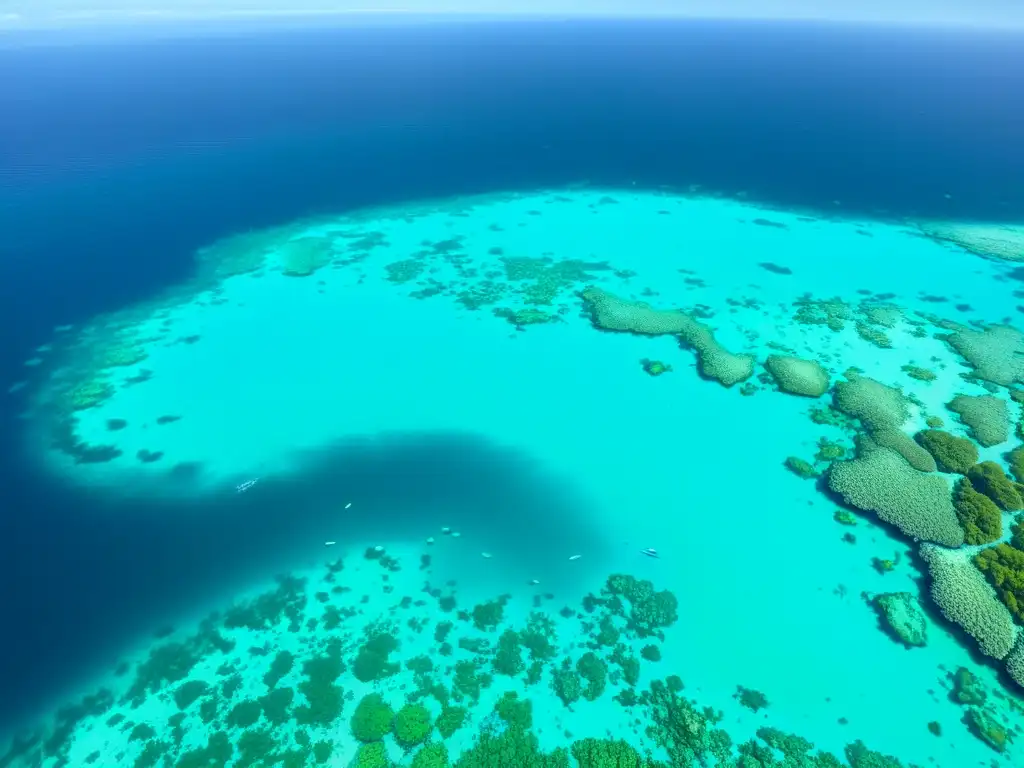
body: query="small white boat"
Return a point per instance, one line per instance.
(486, 555)
(651, 552)
(347, 506)
(242, 488)
(574, 557)
(330, 543)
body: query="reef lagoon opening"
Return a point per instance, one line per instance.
(652, 346)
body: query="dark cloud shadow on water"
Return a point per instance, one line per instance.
(86, 577)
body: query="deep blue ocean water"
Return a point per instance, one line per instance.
(118, 160)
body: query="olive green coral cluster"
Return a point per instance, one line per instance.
(613, 313)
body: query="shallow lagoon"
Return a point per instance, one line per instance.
(463, 320)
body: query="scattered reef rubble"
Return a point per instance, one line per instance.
(272, 679)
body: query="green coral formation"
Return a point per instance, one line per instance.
(919, 374)
(753, 700)
(566, 683)
(829, 451)
(433, 755)
(996, 353)
(611, 313)
(655, 367)
(594, 672)
(649, 610)
(986, 727)
(899, 441)
(987, 417)
(918, 504)
(952, 454)
(882, 411)
(1003, 565)
(372, 756)
(801, 468)
(87, 395)
(872, 335)
(796, 376)
(874, 404)
(966, 599)
(967, 688)
(450, 720)
(603, 753)
(373, 660)
(412, 725)
(1015, 460)
(324, 697)
(844, 517)
(978, 514)
(903, 617)
(372, 718)
(989, 478)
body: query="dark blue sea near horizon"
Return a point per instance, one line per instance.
(119, 159)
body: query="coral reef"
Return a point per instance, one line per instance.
(1015, 662)
(372, 719)
(87, 395)
(753, 700)
(611, 313)
(655, 367)
(881, 481)
(989, 478)
(1015, 460)
(801, 468)
(963, 596)
(897, 440)
(372, 756)
(978, 514)
(796, 376)
(876, 405)
(649, 610)
(984, 726)
(996, 354)
(967, 688)
(1003, 565)
(917, 373)
(714, 361)
(951, 453)
(412, 725)
(903, 617)
(993, 241)
(881, 410)
(987, 417)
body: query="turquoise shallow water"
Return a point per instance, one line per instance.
(470, 316)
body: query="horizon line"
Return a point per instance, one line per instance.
(156, 18)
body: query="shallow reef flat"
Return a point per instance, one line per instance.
(816, 421)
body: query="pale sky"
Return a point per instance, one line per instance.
(983, 13)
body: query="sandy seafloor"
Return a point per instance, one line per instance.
(262, 369)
